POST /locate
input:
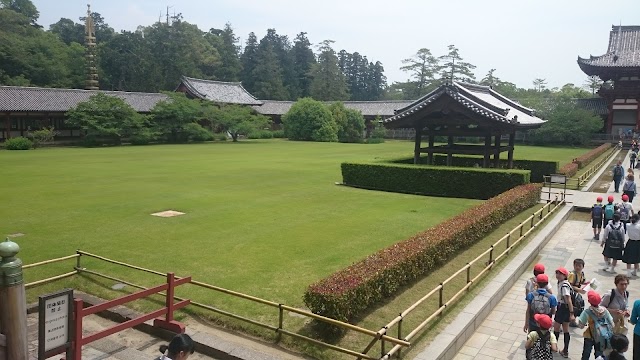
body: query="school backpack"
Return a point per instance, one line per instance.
(609, 210)
(541, 349)
(602, 330)
(617, 171)
(615, 238)
(596, 212)
(613, 294)
(576, 299)
(541, 303)
(624, 212)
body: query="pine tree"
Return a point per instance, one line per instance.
(268, 73)
(593, 83)
(303, 60)
(229, 55)
(249, 61)
(423, 68)
(376, 81)
(328, 81)
(454, 68)
(490, 79)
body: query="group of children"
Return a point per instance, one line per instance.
(621, 236)
(604, 317)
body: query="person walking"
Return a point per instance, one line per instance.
(565, 313)
(613, 243)
(597, 216)
(629, 187)
(631, 254)
(618, 174)
(625, 209)
(617, 302)
(594, 318)
(632, 158)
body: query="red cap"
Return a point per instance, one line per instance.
(625, 197)
(542, 278)
(539, 268)
(599, 199)
(563, 271)
(593, 298)
(610, 198)
(543, 320)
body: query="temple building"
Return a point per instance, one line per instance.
(619, 68)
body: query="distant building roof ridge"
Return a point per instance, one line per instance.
(218, 91)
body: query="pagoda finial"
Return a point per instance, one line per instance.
(90, 51)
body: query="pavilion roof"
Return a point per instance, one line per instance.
(482, 100)
(367, 108)
(597, 105)
(219, 91)
(623, 51)
(35, 99)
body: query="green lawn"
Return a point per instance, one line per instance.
(263, 217)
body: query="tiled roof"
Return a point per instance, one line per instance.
(33, 99)
(367, 108)
(482, 100)
(623, 51)
(598, 105)
(219, 91)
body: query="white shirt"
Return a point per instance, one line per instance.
(563, 291)
(633, 230)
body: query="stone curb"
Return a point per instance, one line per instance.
(446, 344)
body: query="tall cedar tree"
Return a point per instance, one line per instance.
(455, 68)
(268, 73)
(226, 42)
(303, 60)
(117, 55)
(249, 60)
(423, 68)
(328, 81)
(376, 81)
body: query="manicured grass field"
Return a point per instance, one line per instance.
(263, 217)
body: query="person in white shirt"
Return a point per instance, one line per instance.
(631, 255)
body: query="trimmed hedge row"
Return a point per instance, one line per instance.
(588, 157)
(569, 169)
(471, 183)
(538, 168)
(350, 291)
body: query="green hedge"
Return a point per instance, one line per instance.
(538, 168)
(472, 183)
(349, 292)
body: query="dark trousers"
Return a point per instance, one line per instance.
(630, 194)
(616, 184)
(636, 347)
(588, 344)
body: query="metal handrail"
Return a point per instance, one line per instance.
(539, 214)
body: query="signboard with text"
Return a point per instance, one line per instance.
(55, 323)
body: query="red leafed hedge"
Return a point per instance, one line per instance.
(350, 291)
(569, 169)
(586, 158)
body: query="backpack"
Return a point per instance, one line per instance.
(541, 303)
(624, 212)
(609, 210)
(615, 238)
(541, 349)
(596, 211)
(613, 295)
(603, 330)
(617, 171)
(576, 298)
(633, 155)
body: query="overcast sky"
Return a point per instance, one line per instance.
(523, 39)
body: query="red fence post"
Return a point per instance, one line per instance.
(168, 322)
(77, 331)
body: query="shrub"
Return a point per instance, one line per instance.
(195, 132)
(569, 169)
(473, 183)
(375, 140)
(309, 120)
(143, 136)
(350, 123)
(350, 291)
(18, 143)
(278, 134)
(588, 157)
(42, 136)
(379, 131)
(221, 136)
(260, 134)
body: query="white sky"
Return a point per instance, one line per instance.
(523, 39)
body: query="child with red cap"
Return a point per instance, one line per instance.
(540, 343)
(532, 284)
(609, 210)
(613, 239)
(589, 317)
(539, 301)
(597, 214)
(625, 209)
(565, 313)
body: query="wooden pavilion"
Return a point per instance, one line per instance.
(460, 109)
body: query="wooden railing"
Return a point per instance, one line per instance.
(510, 240)
(586, 176)
(381, 337)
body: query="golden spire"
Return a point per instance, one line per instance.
(90, 51)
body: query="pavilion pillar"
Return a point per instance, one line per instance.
(512, 140)
(487, 151)
(432, 139)
(7, 126)
(449, 150)
(416, 151)
(496, 153)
